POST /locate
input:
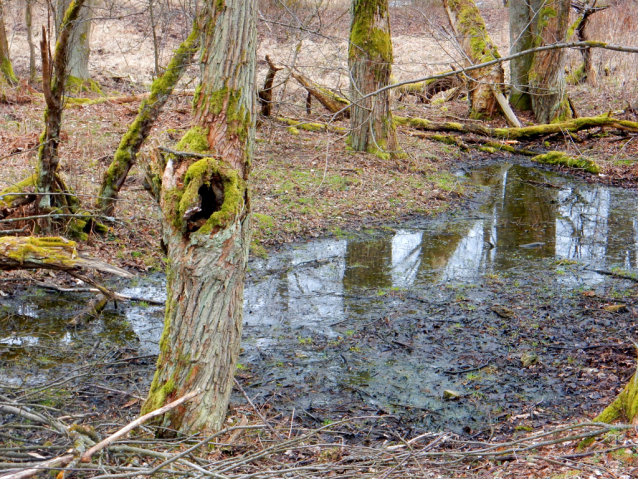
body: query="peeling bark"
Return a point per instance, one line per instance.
(206, 228)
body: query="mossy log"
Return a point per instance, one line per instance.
(563, 159)
(524, 133)
(53, 253)
(331, 101)
(310, 126)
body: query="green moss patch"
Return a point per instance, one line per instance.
(563, 159)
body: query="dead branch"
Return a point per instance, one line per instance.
(265, 94)
(333, 102)
(86, 457)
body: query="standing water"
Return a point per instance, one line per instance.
(486, 304)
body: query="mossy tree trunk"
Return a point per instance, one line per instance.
(624, 407)
(79, 43)
(139, 130)
(370, 64)
(547, 84)
(54, 77)
(5, 61)
(522, 22)
(469, 28)
(206, 227)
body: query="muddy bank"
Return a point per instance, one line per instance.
(499, 304)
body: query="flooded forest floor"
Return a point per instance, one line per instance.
(506, 315)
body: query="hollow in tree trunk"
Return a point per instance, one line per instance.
(206, 227)
(547, 84)
(139, 130)
(370, 64)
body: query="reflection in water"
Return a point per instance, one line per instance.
(591, 224)
(406, 257)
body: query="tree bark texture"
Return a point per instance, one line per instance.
(370, 63)
(54, 77)
(469, 28)
(139, 130)
(5, 61)
(79, 43)
(547, 84)
(206, 227)
(522, 24)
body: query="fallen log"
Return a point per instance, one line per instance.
(524, 133)
(54, 253)
(333, 102)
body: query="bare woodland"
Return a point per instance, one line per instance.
(191, 125)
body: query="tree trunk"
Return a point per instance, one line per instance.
(522, 23)
(139, 130)
(547, 74)
(5, 61)
(370, 63)
(28, 20)
(333, 102)
(206, 228)
(54, 77)
(79, 44)
(469, 28)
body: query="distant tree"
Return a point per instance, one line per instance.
(521, 26)
(54, 78)
(547, 83)
(79, 44)
(539, 79)
(370, 64)
(203, 194)
(5, 61)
